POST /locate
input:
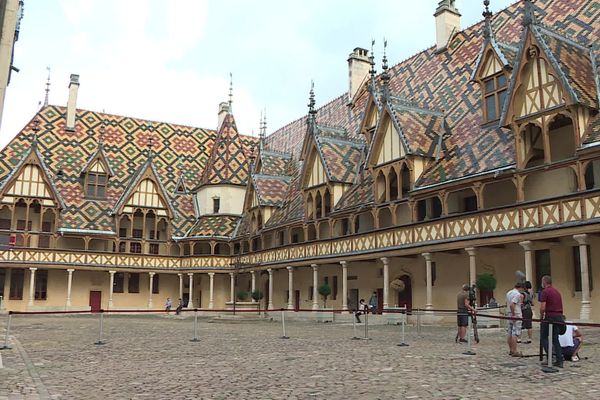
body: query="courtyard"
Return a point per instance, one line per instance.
(151, 356)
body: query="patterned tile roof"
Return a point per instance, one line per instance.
(271, 190)
(272, 162)
(177, 149)
(592, 134)
(341, 156)
(228, 161)
(360, 194)
(217, 226)
(292, 209)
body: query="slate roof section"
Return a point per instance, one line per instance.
(272, 162)
(271, 190)
(214, 226)
(341, 157)
(228, 162)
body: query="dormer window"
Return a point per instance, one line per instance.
(494, 94)
(95, 185)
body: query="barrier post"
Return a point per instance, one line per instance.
(403, 322)
(6, 345)
(195, 338)
(549, 368)
(469, 352)
(283, 324)
(419, 321)
(100, 341)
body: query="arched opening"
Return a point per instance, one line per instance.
(222, 249)
(380, 186)
(403, 214)
(533, 146)
(403, 287)
(5, 223)
(324, 230)
(394, 190)
(318, 206)
(499, 194)
(327, 203)
(202, 248)
(100, 245)
(259, 220)
(310, 207)
(311, 232)
(48, 220)
(245, 247)
(174, 250)
(151, 233)
(236, 248)
(429, 208)
(297, 235)
(281, 238)
(561, 134)
(385, 217)
(553, 183)
(405, 178)
(462, 201)
(268, 241)
(253, 224)
(363, 222)
(71, 243)
(256, 244)
(341, 227)
(592, 175)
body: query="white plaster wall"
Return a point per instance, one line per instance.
(232, 199)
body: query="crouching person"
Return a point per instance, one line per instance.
(571, 342)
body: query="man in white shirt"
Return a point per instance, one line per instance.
(570, 342)
(514, 300)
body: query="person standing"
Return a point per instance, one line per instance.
(463, 307)
(514, 301)
(168, 305)
(373, 303)
(528, 311)
(551, 312)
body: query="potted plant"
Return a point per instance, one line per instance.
(242, 295)
(257, 295)
(486, 283)
(324, 290)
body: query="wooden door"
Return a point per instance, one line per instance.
(379, 301)
(405, 296)
(353, 301)
(296, 300)
(95, 300)
(266, 294)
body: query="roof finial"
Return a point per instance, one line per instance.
(102, 132)
(529, 16)
(34, 132)
(487, 14)
(385, 77)
(311, 99)
(372, 60)
(263, 126)
(47, 88)
(230, 91)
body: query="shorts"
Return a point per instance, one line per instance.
(527, 316)
(462, 320)
(570, 350)
(514, 328)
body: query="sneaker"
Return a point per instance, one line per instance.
(463, 340)
(527, 341)
(518, 340)
(575, 358)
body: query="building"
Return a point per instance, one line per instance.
(478, 155)
(11, 13)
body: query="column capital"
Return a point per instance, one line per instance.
(70, 270)
(344, 263)
(151, 273)
(270, 271)
(33, 269)
(583, 239)
(180, 275)
(471, 251)
(385, 260)
(314, 266)
(426, 256)
(289, 268)
(112, 272)
(231, 274)
(527, 245)
(211, 274)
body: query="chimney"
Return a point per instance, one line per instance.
(223, 110)
(447, 22)
(358, 69)
(72, 102)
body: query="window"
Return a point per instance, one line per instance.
(494, 93)
(21, 225)
(542, 267)
(17, 277)
(334, 290)
(135, 247)
(577, 268)
(119, 282)
(154, 235)
(136, 233)
(134, 283)
(41, 284)
(153, 248)
(122, 232)
(433, 273)
(96, 185)
(310, 292)
(216, 205)
(155, 281)
(122, 247)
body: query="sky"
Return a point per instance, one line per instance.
(170, 60)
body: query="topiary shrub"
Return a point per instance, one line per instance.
(257, 295)
(242, 295)
(324, 290)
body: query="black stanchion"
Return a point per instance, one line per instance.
(549, 368)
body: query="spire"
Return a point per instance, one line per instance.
(47, 88)
(312, 113)
(487, 14)
(262, 132)
(372, 71)
(529, 13)
(230, 91)
(385, 77)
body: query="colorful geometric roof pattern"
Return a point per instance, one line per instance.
(592, 134)
(228, 161)
(272, 162)
(341, 157)
(221, 226)
(177, 149)
(358, 195)
(292, 209)
(271, 190)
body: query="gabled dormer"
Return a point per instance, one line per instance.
(265, 194)
(95, 174)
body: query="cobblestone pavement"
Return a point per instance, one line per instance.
(151, 357)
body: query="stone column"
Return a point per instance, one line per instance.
(69, 286)
(211, 291)
(386, 281)
(586, 306)
(111, 287)
(31, 285)
(270, 305)
(190, 303)
(472, 265)
(253, 285)
(180, 285)
(290, 288)
(528, 246)
(344, 286)
(429, 299)
(151, 274)
(315, 305)
(231, 287)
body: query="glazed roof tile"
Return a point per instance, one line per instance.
(214, 226)
(271, 190)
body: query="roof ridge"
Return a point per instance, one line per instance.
(562, 37)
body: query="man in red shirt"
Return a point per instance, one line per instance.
(551, 311)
